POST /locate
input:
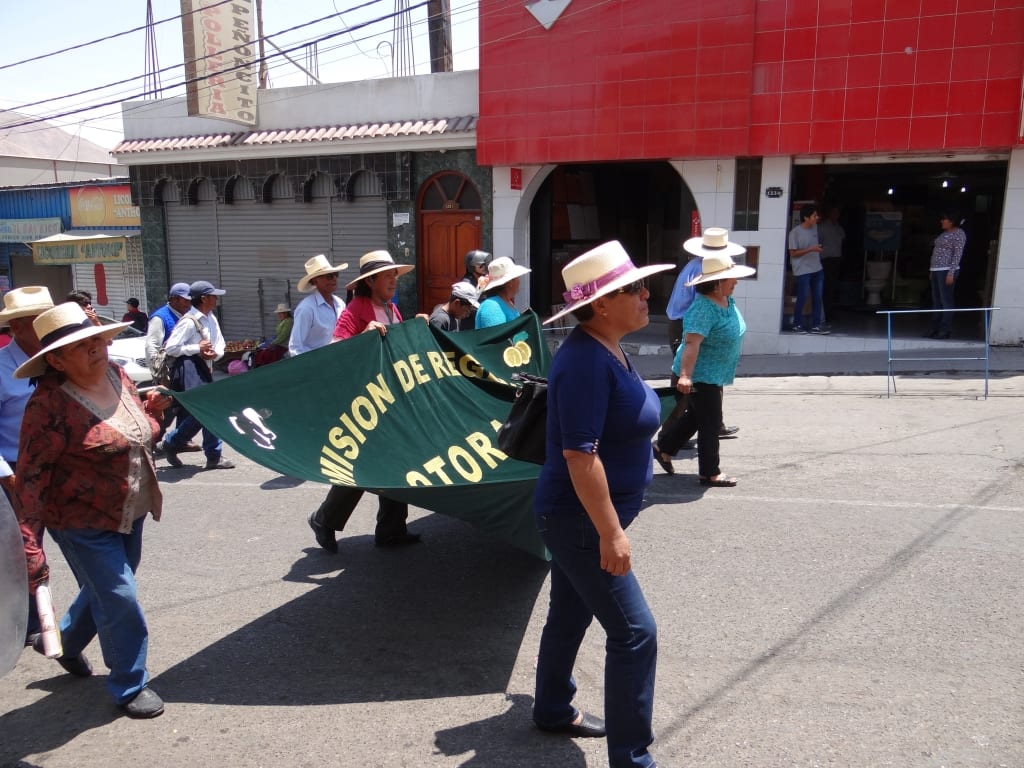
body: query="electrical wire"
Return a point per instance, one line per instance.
(78, 46)
(465, 9)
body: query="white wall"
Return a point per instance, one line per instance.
(1008, 295)
(422, 97)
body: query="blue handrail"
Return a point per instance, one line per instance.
(890, 381)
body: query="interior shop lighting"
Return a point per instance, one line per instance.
(945, 183)
(963, 189)
(890, 190)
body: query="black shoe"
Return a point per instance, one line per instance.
(589, 726)
(170, 455)
(403, 540)
(219, 464)
(659, 457)
(324, 535)
(145, 705)
(725, 432)
(78, 666)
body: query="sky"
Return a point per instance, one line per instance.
(41, 27)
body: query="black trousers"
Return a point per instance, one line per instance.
(703, 417)
(341, 501)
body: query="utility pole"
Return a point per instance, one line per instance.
(263, 76)
(439, 31)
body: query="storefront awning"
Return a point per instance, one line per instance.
(79, 249)
(397, 135)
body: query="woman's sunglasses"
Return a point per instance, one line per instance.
(633, 288)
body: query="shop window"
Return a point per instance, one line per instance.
(750, 259)
(747, 206)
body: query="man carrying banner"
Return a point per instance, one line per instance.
(460, 305)
(315, 317)
(371, 309)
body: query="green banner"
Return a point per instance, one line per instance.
(413, 415)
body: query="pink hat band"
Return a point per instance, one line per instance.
(583, 291)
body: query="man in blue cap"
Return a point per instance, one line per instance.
(197, 340)
(161, 323)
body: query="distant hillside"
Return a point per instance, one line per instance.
(43, 140)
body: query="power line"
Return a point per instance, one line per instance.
(215, 54)
(106, 38)
(466, 8)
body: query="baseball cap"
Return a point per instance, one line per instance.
(466, 293)
(179, 289)
(203, 288)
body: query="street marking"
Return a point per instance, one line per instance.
(876, 504)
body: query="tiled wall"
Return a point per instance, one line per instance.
(621, 79)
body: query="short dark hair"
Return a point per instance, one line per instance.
(362, 288)
(584, 313)
(706, 288)
(807, 210)
(133, 301)
(81, 298)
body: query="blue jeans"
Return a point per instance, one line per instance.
(188, 427)
(815, 284)
(580, 591)
(104, 564)
(942, 298)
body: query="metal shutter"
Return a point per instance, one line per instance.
(192, 242)
(358, 227)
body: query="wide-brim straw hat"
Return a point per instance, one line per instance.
(720, 267)
(25, 302)
(317, 267)
(282, 308)
(714, 241)
(597, 273)
(378, 261)
(64, 324)
(500, 271)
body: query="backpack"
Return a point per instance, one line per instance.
(162, 366)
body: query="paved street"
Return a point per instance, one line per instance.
(854, 602)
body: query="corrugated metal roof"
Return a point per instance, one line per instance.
(318, 134)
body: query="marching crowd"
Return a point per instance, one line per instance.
(63, 404)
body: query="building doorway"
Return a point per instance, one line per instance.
(646, 206)
(449, 224)
(914, 195)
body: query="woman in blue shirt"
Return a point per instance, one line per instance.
(705, 363)
(498, 296)
(601, 415)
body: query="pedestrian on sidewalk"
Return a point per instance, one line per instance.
(945, 266)
(805, 257)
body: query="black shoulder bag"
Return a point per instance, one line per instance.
(523, 434)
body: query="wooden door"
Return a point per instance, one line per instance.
(446, 239)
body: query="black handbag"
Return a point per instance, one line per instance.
(523, 434)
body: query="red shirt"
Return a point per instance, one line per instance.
(358, 314)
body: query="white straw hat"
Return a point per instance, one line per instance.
(500, 271)
(720, 267)
(282, 308)
(378, 261)
(25, 302)
(64, 324)
(714, 241)
(317, 267)
(598, 272)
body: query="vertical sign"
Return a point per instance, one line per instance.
(218, 59)
(515, 178)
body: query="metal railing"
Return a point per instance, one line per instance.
(890, 381)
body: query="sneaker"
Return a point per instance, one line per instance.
(820, 330)
(796, 329)
(219, 464)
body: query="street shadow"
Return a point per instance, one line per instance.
(508, 740)
(281, 482)
(443, 618)
(680, 488)
(46, 725)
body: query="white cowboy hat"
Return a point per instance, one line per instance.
(25, 302)
(57, 327)
(378, 261)
(317, 267)
(282, 308)
(598, 272)
(714, 241)
(720, 267)
(500, 271)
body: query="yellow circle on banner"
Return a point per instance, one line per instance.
(512, 357)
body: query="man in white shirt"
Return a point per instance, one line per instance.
(316, 315)
(197, 341)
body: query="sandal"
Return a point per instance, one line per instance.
(659, 457)
(719, 482)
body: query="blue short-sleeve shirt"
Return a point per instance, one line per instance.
(595, 404)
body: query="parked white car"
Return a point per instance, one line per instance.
(128, 349)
